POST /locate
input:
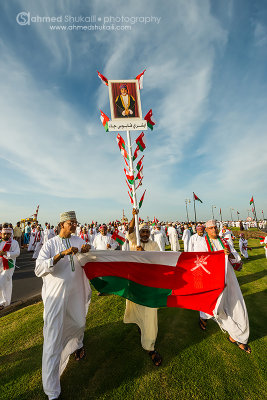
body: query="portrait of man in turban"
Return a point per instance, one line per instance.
(125, 103)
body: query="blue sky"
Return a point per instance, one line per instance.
(205, 82)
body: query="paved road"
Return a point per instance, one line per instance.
(25, 283)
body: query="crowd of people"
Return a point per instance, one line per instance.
(66, 291)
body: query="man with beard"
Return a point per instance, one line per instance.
(146, 318)
(230, 311)
(125, 103)
(9, 251)
(66, 296)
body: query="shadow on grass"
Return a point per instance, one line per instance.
(251, 277)
(19, 367)
(254, 257)
(115, 356)
(257, 308)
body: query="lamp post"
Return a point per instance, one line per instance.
(187, 201)
(212, 207)
(231, 213)
(248, 212)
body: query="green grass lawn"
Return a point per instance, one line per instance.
(196, 364)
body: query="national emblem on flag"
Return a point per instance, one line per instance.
(148, 118)
(104, 119)
(103, 78)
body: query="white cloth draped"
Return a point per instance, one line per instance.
(6, 275)
(66, 296)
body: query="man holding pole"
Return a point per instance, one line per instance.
(146, 318)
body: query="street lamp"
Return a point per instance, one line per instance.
(231, 213)
(212, 207)
(187, 201)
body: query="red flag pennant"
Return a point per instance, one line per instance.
(140, 78)
(130, 197)
(103, 78)
(140, 141)
(148, 118)
(129, 177)
(104, 119)
(142, 199)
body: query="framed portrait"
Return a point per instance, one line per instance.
(125, 103)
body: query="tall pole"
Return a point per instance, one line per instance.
(255, 211)
(262, 214)
(195, 209)
(237, 215)
(186, 210)
(221, 214)
(212, 207)
(133, 187)
(231, 214)
(248, 212)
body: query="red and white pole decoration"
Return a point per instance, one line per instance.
(133, 181)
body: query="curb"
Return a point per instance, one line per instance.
(17, 305)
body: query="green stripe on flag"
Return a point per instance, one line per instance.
(120, 241)
(144, 295)
(140, 147)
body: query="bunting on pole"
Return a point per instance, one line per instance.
(131, 198)
(127, 165)
(140, 141)
(141, 200)
(139, 174)
(130, 178)
(104, 119)
(148, 118)
(121, 144)
(129, 187)
(135, 156)
(139, 184)
(139, 164)
(103, 78)
(140, 78)
(251, 201)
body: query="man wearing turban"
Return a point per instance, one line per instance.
(146, 318)
(230, 311)
(125, 103)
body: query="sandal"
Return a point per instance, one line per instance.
(242, 346)
(155, 357)
(202, 323)
(80, 354)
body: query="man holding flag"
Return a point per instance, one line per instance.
(146, 318)
(230, 311)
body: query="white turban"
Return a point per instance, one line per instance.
(210, 223)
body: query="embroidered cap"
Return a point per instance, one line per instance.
(144, 226)
(210, 223)
(68, 216)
